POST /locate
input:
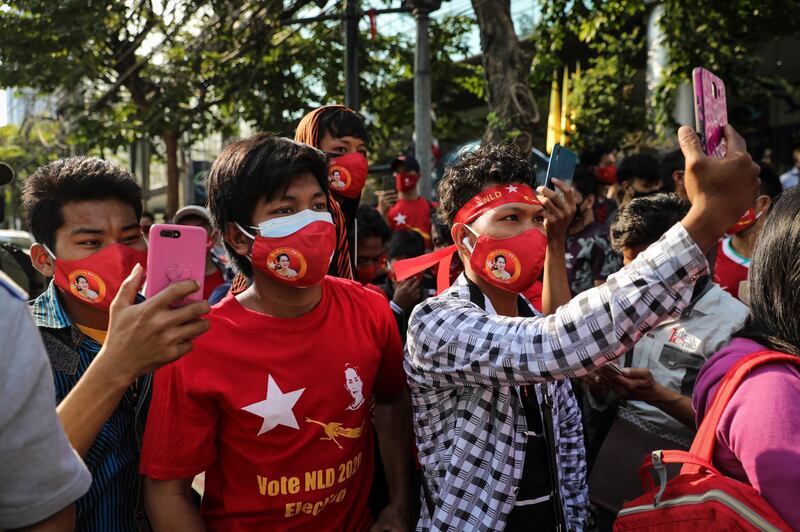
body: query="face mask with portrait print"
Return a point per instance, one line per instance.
(347, 174)
(512, 264)
(294, 250)
(96, 279)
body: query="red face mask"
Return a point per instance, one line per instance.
(748, 219)
(295, 250)
(95, 280)
(512, 264)
(606, 174)
(347, 174)
(405, 182)
(365, 274)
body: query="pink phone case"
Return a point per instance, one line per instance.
(710, 111)
(176, 253)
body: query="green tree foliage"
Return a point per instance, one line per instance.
(725, 38)
(130, 69)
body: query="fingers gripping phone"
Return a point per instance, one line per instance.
(176, 253)
(710, 111)
(562, 166)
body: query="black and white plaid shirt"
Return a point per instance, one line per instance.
(464, 366)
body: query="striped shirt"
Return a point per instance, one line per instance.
(114, 499)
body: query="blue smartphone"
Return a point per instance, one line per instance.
(562, 166)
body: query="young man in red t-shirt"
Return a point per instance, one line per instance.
(409, 210)
(274, 404)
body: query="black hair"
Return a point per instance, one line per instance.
(406, 244)
(641, 165)
(774, 319)
(499, 257)
(592, 155)
(371, 224)
(81, 277)
(282, 255)
(442, 230)
(491, 164)
(584, 181)
(770, 182)
(341, 123)
(148, 214)
(643, 221)
(261, 166)
(73, 180)
(671, 162)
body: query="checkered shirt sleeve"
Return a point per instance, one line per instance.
(461, 361)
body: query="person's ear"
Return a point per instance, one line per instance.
(42, 261)
(763, 203)
(460, 234)
(237, 240)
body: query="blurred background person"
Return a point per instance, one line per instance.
(373, 234)
(590, 259)
(601, 160)
(792, 177)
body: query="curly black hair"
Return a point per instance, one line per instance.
(494, 164)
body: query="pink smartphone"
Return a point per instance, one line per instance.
(176, 253)
(710, 111)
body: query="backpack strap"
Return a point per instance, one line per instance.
(703, 445)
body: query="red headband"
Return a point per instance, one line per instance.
(492, 197)
(485, 200)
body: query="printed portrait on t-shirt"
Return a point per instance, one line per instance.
(354, 385)
(503, 265)
(287, 263)
(338, 177)
(87, 286)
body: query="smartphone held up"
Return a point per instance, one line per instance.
(710, 111)
(176, 253)
(561, 167)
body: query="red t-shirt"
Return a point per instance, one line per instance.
(411, 214)
(212, 281)
(730, 269)
(276, 412)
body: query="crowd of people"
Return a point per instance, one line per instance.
(502, 359)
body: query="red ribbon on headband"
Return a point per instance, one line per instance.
(482, 202)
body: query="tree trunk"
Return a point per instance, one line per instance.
(170, 138)
(507, 67)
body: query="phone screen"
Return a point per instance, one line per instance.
(562, 166)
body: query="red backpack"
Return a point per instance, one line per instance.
(700, 497)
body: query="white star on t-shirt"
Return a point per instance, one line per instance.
(511, 188)
(276, 409)
(400, 218)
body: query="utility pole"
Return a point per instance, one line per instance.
(422, 92)
(351, 54)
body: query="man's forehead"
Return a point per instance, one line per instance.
(98, 214)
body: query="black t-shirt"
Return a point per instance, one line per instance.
(536, 480)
